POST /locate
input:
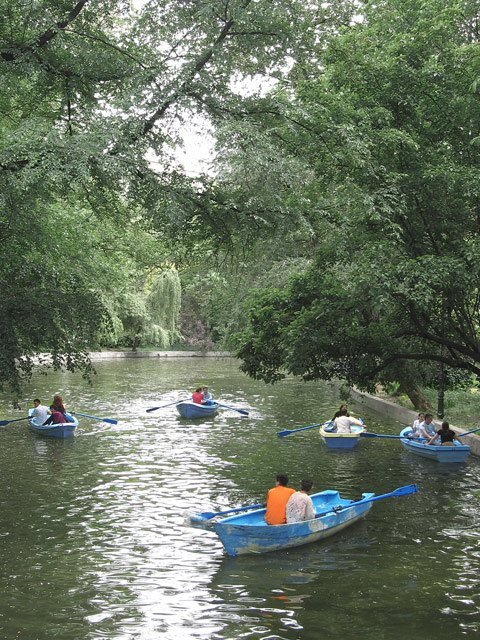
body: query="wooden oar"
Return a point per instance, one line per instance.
(207, 515)
(166, 405)
(242, 411)
(4, 422)
(401, 491)
(460, 435)
(287, 432)
(110, 420)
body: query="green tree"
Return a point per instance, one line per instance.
(88, 91)
(134, 317)
(386, 130)
(216, 285)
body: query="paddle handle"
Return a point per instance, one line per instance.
(460, 435)
(402, 491)
(166, 405)
(242, 411)
(287, 432)
(366, 434)
(162, 407)
(4, 422)
(84, 415)
(208, 515)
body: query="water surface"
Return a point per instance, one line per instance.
(95, 542)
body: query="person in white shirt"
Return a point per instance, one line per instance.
(416, 425)
(40, 412)
(343, 424)
(300, 505)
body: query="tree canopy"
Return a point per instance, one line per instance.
(90, 92)
(389, 129)
(351, 164)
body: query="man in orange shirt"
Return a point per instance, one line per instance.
(277, 499)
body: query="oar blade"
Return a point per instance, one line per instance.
(405, 491)
(84, 415)
(242, 411)
(282, 434)
(4, 422)
(202, 517)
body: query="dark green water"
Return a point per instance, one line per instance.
(94, 541)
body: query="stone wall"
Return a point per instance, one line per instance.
(105, 355)
(407, 416)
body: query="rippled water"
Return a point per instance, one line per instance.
(95, 542)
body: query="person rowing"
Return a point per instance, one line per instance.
(56, 416)
(446, 435)
(277, 499)
(344, 422)
(40, 412)
(207, 396)
(300, 505)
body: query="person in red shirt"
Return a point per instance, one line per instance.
(198, 397)
(277, 499)
(58, 402)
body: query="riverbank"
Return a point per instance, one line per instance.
(390, 409)
(105, 355)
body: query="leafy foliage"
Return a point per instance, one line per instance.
(353, 165)
(387, 130)
(88, 91)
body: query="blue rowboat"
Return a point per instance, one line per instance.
(190, 409)
(63, 430)
(440, 453)
(249, 533)
(335, 440)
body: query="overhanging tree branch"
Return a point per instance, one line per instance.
(52, 32)
(425, 357)
(110, 45)
(45, 38)
(446, 342)
(201, 63)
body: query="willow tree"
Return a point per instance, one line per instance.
(163, 302)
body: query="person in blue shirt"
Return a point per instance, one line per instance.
(207, 395)
(427, 428)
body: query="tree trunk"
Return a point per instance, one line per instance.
(411, 389)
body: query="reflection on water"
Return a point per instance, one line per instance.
(95, 542)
